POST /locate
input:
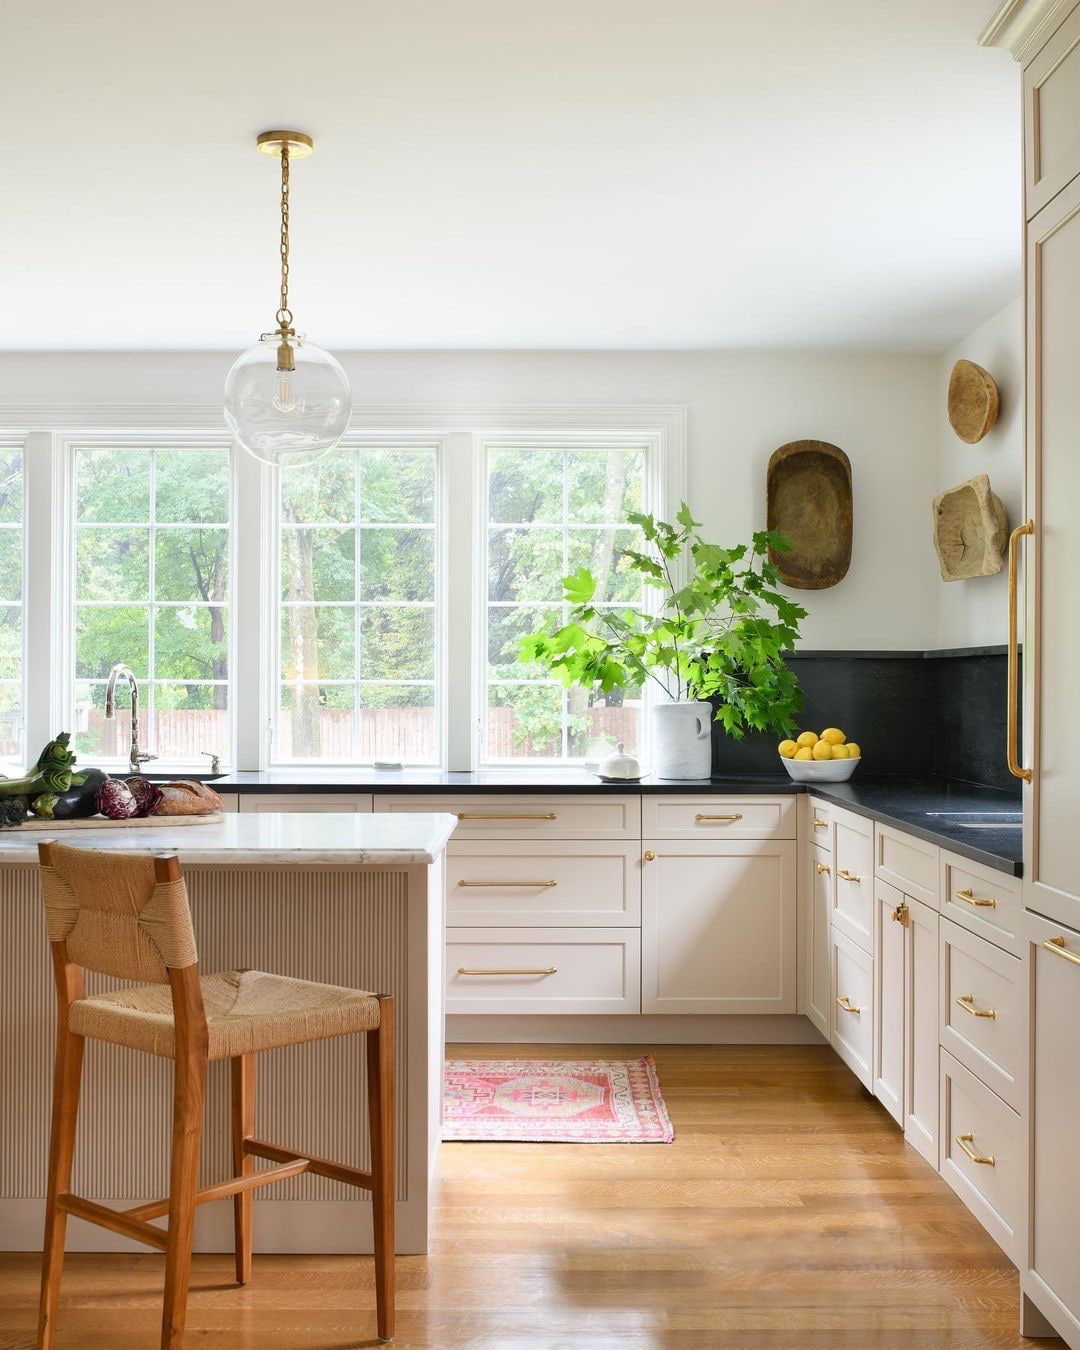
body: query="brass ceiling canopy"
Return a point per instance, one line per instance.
(300, 145)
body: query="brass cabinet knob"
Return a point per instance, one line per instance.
(649, 855)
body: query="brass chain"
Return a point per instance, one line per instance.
(284, 314)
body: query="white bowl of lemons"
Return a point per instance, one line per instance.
(826, 758)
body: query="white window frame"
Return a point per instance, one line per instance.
(354, 440)
(461, 432)
(21, 443)
(65, 518)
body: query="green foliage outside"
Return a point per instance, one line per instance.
(720, 637)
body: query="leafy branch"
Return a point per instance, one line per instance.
(721, 637)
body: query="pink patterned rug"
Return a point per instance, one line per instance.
(555, 1101)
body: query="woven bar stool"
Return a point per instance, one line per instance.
(127, 915)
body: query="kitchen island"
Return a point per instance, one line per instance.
(344, 899)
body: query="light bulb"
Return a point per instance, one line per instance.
(285, 417)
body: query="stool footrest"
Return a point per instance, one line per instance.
(118, 1221)
(322, 1167)
(221, 1190)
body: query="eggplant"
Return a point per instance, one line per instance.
(79, 800)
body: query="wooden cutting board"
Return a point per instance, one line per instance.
(131, 823)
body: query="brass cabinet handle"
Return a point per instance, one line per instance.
(1057, 946)
(498, 885)
(547, 970)
(735, 815)
(967, 1002)
(819, 824)
(845, 875)
(1012, 750)
(965, 1141)
(506, 815)
(649, 855)
(979, 901)
(844, 1002)
(901, 914)
(822, 868)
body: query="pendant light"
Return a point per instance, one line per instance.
(287, 402)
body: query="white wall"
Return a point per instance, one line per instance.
(973, 613)
(882, 410)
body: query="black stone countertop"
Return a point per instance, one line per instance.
(903, 802)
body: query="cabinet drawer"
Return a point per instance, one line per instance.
(554, 815)
(1052, 116)
(698, 817)
(977, 980)
(290, 802)
(853, 1007)
(974, 1116)
(853, 879)
(590, 884)
(983, 901)
(543, 970)
(819, 822)
(909, 864)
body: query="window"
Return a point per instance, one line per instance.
(550, 511)
(12, 636)
(150, 588)
(358, 640)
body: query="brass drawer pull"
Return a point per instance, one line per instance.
(819, 824)
(1057, 946)
(965, 1141)
(506, 815)
(498, 885)
(980, 902)
(822, 868)
(967, 1002)
(845, 875)
(844, 1002)
(548, 970)
(736, 815)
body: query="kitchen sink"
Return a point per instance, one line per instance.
(979, 820)
(195, 777)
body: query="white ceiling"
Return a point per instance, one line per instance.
(510, 173)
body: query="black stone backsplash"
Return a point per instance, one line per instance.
(913, 714)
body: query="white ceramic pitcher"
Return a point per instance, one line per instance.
(682, 736)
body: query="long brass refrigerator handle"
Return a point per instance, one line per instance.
(1012, 750)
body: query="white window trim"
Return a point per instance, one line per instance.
(21, 442)
(461, 430)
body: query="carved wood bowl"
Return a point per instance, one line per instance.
(808, 493)
(973, 401)
(970, 530)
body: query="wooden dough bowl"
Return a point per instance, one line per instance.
(973, 401)
(970, 530)
(809, 502)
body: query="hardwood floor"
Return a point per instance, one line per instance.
(787, 1213)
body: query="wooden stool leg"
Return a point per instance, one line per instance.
(183, 1174)
(381, 1124)
(243, 1127)
(65, 1116)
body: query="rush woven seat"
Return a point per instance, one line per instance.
(246, 1011)
(127, 915)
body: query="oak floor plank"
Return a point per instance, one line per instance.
(788, 1215)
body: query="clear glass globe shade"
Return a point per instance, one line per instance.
(287, 418)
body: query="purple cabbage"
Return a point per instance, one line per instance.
(116, 800)
(148, 796)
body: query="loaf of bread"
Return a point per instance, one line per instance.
(187, 797)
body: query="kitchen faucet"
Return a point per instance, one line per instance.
(120, 671)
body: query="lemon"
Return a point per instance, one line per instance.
(803, 752)
(808, 738)
(853, 750)
(788, 748)
(839, 752)
(823, 750)
(833, 735)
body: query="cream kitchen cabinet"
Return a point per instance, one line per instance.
(853, 1007)
(852, 911)
(330, 802)
(535, 815)
(718, 926)
(817, 894)
(905, 1059)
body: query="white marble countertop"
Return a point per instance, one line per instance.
(282, 839)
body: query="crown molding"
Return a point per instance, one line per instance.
(1024, 26)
